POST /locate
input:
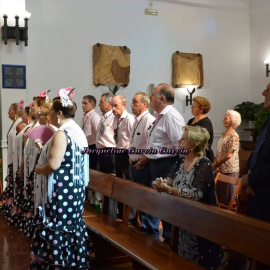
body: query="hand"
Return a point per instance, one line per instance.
(162, 187)
(20, 174)
(138, 166)
(244, 180)
(249, 191)
(37, 169)
(38, 144)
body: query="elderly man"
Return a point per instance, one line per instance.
(164, 134)
(140, 166)
(105, 134)
(89, 125)
(122, 131)
(257, 183)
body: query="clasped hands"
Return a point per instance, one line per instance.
(246, 187)
(160, 185)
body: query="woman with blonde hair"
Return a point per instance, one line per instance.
(15, 112)
(192, 177)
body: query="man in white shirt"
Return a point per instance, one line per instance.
(89, 126)
(123, 123)
(105, 134)
(164, 135)
(140, 166)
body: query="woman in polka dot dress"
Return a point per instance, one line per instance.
(60, 240)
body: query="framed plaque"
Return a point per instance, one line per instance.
(13, 76)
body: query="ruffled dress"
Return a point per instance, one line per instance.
(31, 153)
(16, 213)
(8, 194)
(60, 239)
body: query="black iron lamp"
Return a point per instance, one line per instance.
(15, 32)
(267, 62)
(191, 90)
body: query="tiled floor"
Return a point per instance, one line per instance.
(14, 248)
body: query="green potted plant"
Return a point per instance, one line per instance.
(248, 111)
(261, 116)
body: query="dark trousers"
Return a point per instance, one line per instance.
(106, 163)
(93, 157)
(149, 223)
(122, 170)
(161, 168)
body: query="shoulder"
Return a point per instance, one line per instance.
(190, 121)
(174, 115)
(203, 161)
(130, 118)
(234, 135)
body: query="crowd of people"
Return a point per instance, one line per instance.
(45, 191)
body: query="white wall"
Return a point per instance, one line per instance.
(62, 33)
(14, 55)
(259, 50)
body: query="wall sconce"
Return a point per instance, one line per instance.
(151, 11)
(267, 62)
(191, 90)
(15, 32)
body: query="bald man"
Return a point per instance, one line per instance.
(165, 132)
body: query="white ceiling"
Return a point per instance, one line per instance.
(238, 5)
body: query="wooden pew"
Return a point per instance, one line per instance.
(245, 235)
(144, 251)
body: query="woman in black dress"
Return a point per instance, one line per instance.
(201, 106)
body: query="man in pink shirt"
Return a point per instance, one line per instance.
(89, 126)
(123, 123)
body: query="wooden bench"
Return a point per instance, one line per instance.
(243, 234)
(116, 242)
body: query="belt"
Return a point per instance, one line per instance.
(134, 162)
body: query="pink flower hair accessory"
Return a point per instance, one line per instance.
(69, 91)
(42, 94)
(21, 103)
(64, 95)
(30, 105)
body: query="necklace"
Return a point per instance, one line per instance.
(191, 163)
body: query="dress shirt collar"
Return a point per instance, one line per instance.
(107, 114)
(89, 113)
(124, 114)
(141, 115)
(164, 111)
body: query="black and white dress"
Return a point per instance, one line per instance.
(198, 184)
(60, 239)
